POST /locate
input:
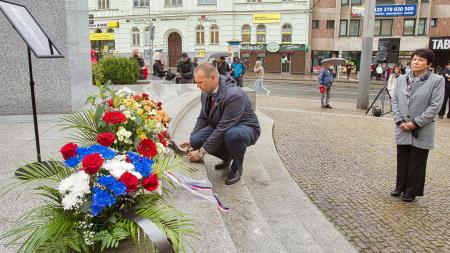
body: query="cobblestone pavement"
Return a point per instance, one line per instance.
(346, 163)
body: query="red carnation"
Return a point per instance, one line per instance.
(159, 105)
(145, 96)
(147, 148)
(69, 150)
(162, 139)
(106, 139)
(114, 117)
(92, 163)
(130, 181)
(137, 97)
(110, 102)
(150, 183)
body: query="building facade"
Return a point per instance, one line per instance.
(336, 27)
(274, 31)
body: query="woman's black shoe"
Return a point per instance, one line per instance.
(396, 193)
(408, 198)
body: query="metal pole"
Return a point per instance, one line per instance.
(362, 101)
(150, 34)
(33, 104)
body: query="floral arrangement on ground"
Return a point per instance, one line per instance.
(113, 174)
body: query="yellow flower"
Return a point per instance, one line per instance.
(143, 136)
(139, 111)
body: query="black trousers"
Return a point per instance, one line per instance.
(236, 141)
(411, 167)
(444, 104)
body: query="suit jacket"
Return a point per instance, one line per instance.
(421, 104)
(232, 107)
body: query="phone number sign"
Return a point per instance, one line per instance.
(396, 10)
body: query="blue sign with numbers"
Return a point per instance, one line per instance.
(401, 10)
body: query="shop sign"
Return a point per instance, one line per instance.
(397, 10)
(273, 47)
(439, 43)
(204, 19)
(172, 19)
(263, 18)
(253, 47)
(292, 47)
(102, 36)
(200, 53)
(140, 21)
(104, 24)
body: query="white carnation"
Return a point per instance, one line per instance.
(74, 188)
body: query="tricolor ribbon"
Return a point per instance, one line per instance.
(195, 186)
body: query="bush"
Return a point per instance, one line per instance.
(119, 70)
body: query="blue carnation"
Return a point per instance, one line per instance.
(83, 152)
(73, 161)
(106, 152)
(96, 210)
(106, 180)
(100, 200)
(118, 189)
(143, 165)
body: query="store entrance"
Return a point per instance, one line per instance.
(174, 48)
(286, 63)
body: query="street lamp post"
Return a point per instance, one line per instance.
(151, 34)
(362, 101)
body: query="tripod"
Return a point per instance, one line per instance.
(376, 112)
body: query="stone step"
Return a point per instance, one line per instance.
(209, 222)
(296, 221)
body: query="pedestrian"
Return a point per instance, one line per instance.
(140, 61)
(372, 71)
(326, 81)
(392, 82)
(407, 68)
(238, 71)
(387, 73)
(227, 124)
(158, 67)
(379, 71)
(259, 82)
(446, 74)
(415, 105)
(195, 62)
(186, 69)
(223, 67)
(349, 70)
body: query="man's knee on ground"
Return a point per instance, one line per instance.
(233, 136)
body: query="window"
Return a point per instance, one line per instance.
(434, 22)
(146, 36)
(383, 27)
(330, 24)
(356, 2)
(422, 26)
(286, 33)
(173, 2)
(200, 34)
(103, 4)
(98, 30)
(315, 24)
(110, 30)
(214, 34)
(135, 37)
(354, 27)
(200, 2)
(411, 2)
(141, 3)
(343, 28)
(344, 2)
(385, 2)
(246, 34)
(253, 1)
(408, 26)
(261, 34)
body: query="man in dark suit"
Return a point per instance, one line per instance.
(227, 124)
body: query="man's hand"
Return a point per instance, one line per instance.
(194, 155)
(185, 144)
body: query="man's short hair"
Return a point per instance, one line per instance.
(425, 53)
(208, 69)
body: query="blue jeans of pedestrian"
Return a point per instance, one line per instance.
(236, 141)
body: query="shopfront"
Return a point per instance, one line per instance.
(103, 43)
(277, 58)
(441, 47)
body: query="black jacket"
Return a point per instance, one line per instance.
(158, 69)
(186, 69)
(223, 68)
(447, 78)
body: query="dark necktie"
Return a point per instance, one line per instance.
(210, 103)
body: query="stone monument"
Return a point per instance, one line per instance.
(61, 84)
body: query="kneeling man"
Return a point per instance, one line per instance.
(227, 124)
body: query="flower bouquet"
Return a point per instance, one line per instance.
(108, 188)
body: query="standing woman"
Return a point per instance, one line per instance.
(416, 102)
(259, 70)
(392, 82)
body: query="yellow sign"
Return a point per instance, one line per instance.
(113, 24)
(200, 53)
(266, 18)
(102, 36)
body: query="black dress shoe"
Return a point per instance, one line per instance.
(234, 177)
(396, 193)
(328, 106)
(441, 116)
(224, 165)
(407, 198)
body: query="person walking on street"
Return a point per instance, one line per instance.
(186, 69)
(223, 67)
(379, 71)
(447, 94)
(238, 71)
(349, 70)
(136, 56)
(259, 82)
(325, 80)
(158, 67)
(227, 123)
(417, 101)
(392, 82)
(195, 62)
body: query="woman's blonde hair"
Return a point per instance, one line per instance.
(258, 63)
